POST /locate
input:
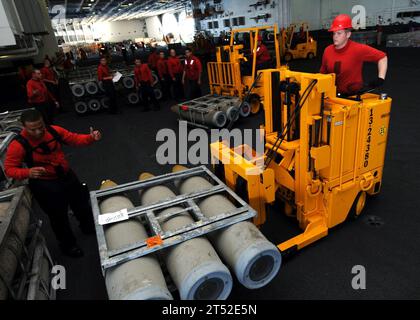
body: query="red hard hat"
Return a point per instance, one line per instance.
(341, 22)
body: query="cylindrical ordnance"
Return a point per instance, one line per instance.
(128, 82)
(105, 102)
(133, 98)
(16, 128)
(78, 90)
(255, 260)
(101, 86)
(94, 105)
(194, 265)
(138, 279)
(81, 107)
(91, 88)
(155, 78)
(12, 246)
(213, 118)
(245, 110)
(232, 112)
(158, 93)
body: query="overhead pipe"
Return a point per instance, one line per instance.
(255, 260)
(138, 279)
(194, 265)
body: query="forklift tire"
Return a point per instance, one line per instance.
(288, 57)
(255, 103)
(358, 206)
(311, 55)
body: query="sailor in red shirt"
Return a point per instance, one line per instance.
(143, 79)
(50, 78)
(345, 58)
(105, 76)
(40, 98)
(175, 72)
(192, 72)
(263, 56)
(53, 184)
(165, 80)
(153, 59)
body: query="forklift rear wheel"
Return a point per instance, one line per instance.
(288, 57)
(358, 205)
(311, 55)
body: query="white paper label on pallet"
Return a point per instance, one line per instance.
(113, 217)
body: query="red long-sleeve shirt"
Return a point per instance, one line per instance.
(103, 72)
(48, 74)
(37, 92)
(192, 68)
(263, 55)
(16, 153)
(174, 66)
(142, 73)
(347, 64)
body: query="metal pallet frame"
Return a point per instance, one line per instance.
(202, 226)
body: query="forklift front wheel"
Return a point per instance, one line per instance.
(311, 55)
(358, 205)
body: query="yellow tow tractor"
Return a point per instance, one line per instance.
(323, 154)
(297, 45)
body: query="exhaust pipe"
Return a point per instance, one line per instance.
(138, 279)
(194, 265)
(255, 260)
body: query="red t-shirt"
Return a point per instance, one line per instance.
(142, 73)
(103, 72)
(16, 153)
(153, 59)
(162, 68)
(174, 66)
(192, 68)
(347, 64)
(262, 54)
(37, 92)
(48, 74)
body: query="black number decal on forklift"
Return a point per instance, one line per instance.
(368, 139)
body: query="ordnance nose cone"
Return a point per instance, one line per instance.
(106, 184)
(145, 176)
(178, 168)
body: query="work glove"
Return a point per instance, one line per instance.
(376, 83)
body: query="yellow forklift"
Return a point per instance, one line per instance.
(226, 75)
(297, 45)
(323, 154)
